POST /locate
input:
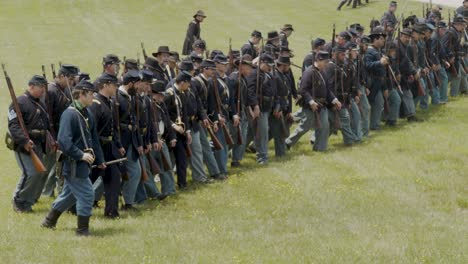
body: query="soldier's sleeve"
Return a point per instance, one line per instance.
(233, 87)
(152, 128)
(14, 128)
(212, 103)
(116, 125)
(371, 63)
(252, 99)
(95, 138)
(306, 86)
(167, 123)
(68, 123)
(447, 42)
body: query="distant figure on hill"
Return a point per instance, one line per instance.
(193, 32)
(355, 3)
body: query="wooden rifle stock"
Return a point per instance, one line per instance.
(217, 145)
(154, 167)
(38, 165)
(239, 95)
(144, 174)
(52, 66)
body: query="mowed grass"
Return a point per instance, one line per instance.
(400, 196)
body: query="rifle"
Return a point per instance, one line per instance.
(107, 163)
(154, 167)
(38, 165)
(52, 66)
(217, 145)
(259, 96)
(123, 169)
(333, 36)
(144, 174)
(143, 51)
(138, 59)
(226, 133)
(239, 95)
(336, 120)
(453, 69)
(231, 57)
(50, 146)
(318, 124)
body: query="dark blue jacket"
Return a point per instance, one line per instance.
(71, 142)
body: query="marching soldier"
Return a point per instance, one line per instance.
(159, 67)
(103, 109)
(315, 96)
(201, 85)
(36, 123)
(389, 16)
(363, 83)
(409, 74)
(451, 41)
(353, 85)
(130, 142)
(272, 44)
(281, 117)
(317, 45)
(58, 99)
(78, 140)
(193, 32)
(177, 108)
(239, 107)
(441, 60)
(164, 133)
(339, 82)
(218, 110)
(111, 64)
(376, 64)
(251, 47)
(285, 33)
(262, 98)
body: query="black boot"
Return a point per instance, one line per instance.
(83, 226)
(341, 4)
(51, 219)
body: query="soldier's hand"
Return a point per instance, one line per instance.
(140, 150)
(435, 67)
(88, 157)
(189, 138)
(314, 106)
(173, 143)
(235, 120)
(157, 146)
(384, 61)
(29, 146)
(452, 61)
(148, 148)
(179, 129)
(277, 114)
(338, 105)
(221, 121)
(215, 127)
(417, 75)
(122, 151)
(447, 64)
(398, 77)
(102, 166)
(385, 93)
(256, 111)
(206, 123)
(367, 91)
(357, 99)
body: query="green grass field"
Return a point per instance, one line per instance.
(400, 197)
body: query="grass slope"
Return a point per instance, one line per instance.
(399, 197)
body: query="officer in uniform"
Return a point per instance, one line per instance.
(36, 123)
(262, 98)
(164, 133)
(193, 32)
(103, 109)
(130, 142)
(251, 47)
(79, 142)
(177, 108)
(58, 99)
(314, 97)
